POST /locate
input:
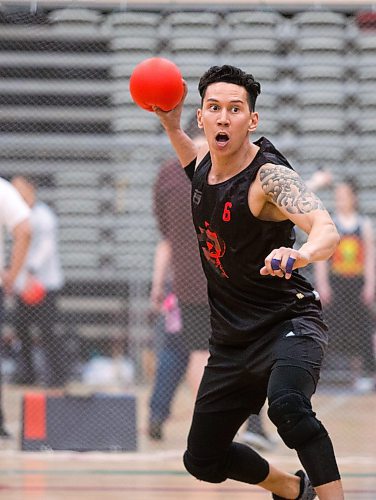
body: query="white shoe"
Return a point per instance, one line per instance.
(258, 441)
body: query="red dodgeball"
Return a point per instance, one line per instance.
(156, 82)
(33, 293)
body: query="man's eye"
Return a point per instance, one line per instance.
(235, 109)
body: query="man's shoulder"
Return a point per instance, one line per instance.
(10, 198)
(6, 186)
(275, 166)
(270, 153)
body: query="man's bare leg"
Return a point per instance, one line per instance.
(281, 483)
(330, 491)
(287, 486)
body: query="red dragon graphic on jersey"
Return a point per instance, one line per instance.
(214, 248)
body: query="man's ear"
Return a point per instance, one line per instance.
(253, 122)
(199, 118)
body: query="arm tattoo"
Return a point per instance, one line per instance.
(287, 190)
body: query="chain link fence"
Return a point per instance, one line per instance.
(67, 123)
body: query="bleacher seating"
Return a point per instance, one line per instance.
(91, 309)
(257, 55)
(192, 24)
(133, 50)
(75, 17)
(192, 49)
(323, 22)
(132, 23)
(254, 24)
(364, 64)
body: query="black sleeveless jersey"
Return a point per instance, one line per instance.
(233, 246)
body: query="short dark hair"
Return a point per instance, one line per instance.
(230, 74)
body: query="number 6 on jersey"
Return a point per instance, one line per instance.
(226, 216)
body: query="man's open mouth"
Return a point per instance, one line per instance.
(222, 138)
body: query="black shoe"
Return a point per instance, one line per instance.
(155, 431)
(306, 489)
(4, 434)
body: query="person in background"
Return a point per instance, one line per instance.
(346, 284)
(178, 295)
(14, 218)
(42, 267)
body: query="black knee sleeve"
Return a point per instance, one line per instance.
(296, 422)
(318, 458)
(205, 469)
(240, 463)
(246, 465)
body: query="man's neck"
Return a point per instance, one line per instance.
(226, 166)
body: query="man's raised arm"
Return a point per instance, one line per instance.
(185, 148)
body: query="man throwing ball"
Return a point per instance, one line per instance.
(268, 337)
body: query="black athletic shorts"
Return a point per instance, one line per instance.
(237, 376)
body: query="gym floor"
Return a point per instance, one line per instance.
(156, 470)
